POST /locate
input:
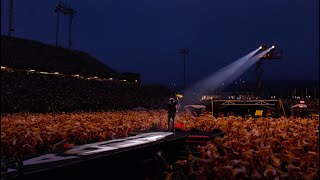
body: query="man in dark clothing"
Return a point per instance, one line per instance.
(172, 109)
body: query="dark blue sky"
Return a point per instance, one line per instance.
(145, 36)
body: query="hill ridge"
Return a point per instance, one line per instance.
(29, 54)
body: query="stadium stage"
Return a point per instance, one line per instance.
(122, 158)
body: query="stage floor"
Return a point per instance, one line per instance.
(132, 148)
(94, 150)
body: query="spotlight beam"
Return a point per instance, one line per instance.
(223, 76)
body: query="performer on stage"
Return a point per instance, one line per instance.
(172, 110)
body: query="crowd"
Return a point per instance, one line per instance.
(29, 92)
(252, 147)
(255, 148)
(77, 111)
(34, 133)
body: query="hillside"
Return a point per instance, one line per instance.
(28, 54)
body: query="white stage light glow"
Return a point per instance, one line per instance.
(224, 76)
(99, 147)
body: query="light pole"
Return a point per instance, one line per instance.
(173, 87)
(184, 52)
(57, 10)
(10, 18)
(67, 10)
(236, 88)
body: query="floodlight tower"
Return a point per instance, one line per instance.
(273, 54)
(184, 52)
(57, 10)
(67, 10)
(10, 18)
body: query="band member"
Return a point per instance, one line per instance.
(172, 110)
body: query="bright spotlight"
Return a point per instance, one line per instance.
(260, 47)
(273, 46)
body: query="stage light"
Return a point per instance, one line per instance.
(273, 46)
(42, 72)
(263, 47)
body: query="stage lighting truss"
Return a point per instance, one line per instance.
(274, 53)
(263, 47)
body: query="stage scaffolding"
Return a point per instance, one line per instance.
(269, 104)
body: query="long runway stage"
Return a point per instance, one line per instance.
(121, 158)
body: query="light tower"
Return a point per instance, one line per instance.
(273, 54)
(10, 30)
(67, 10)
(184, 52)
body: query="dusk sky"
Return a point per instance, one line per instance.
(145, 36)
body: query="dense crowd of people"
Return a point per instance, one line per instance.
(251, 148)
(30, 92)
(256, 148)
(76, 111)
